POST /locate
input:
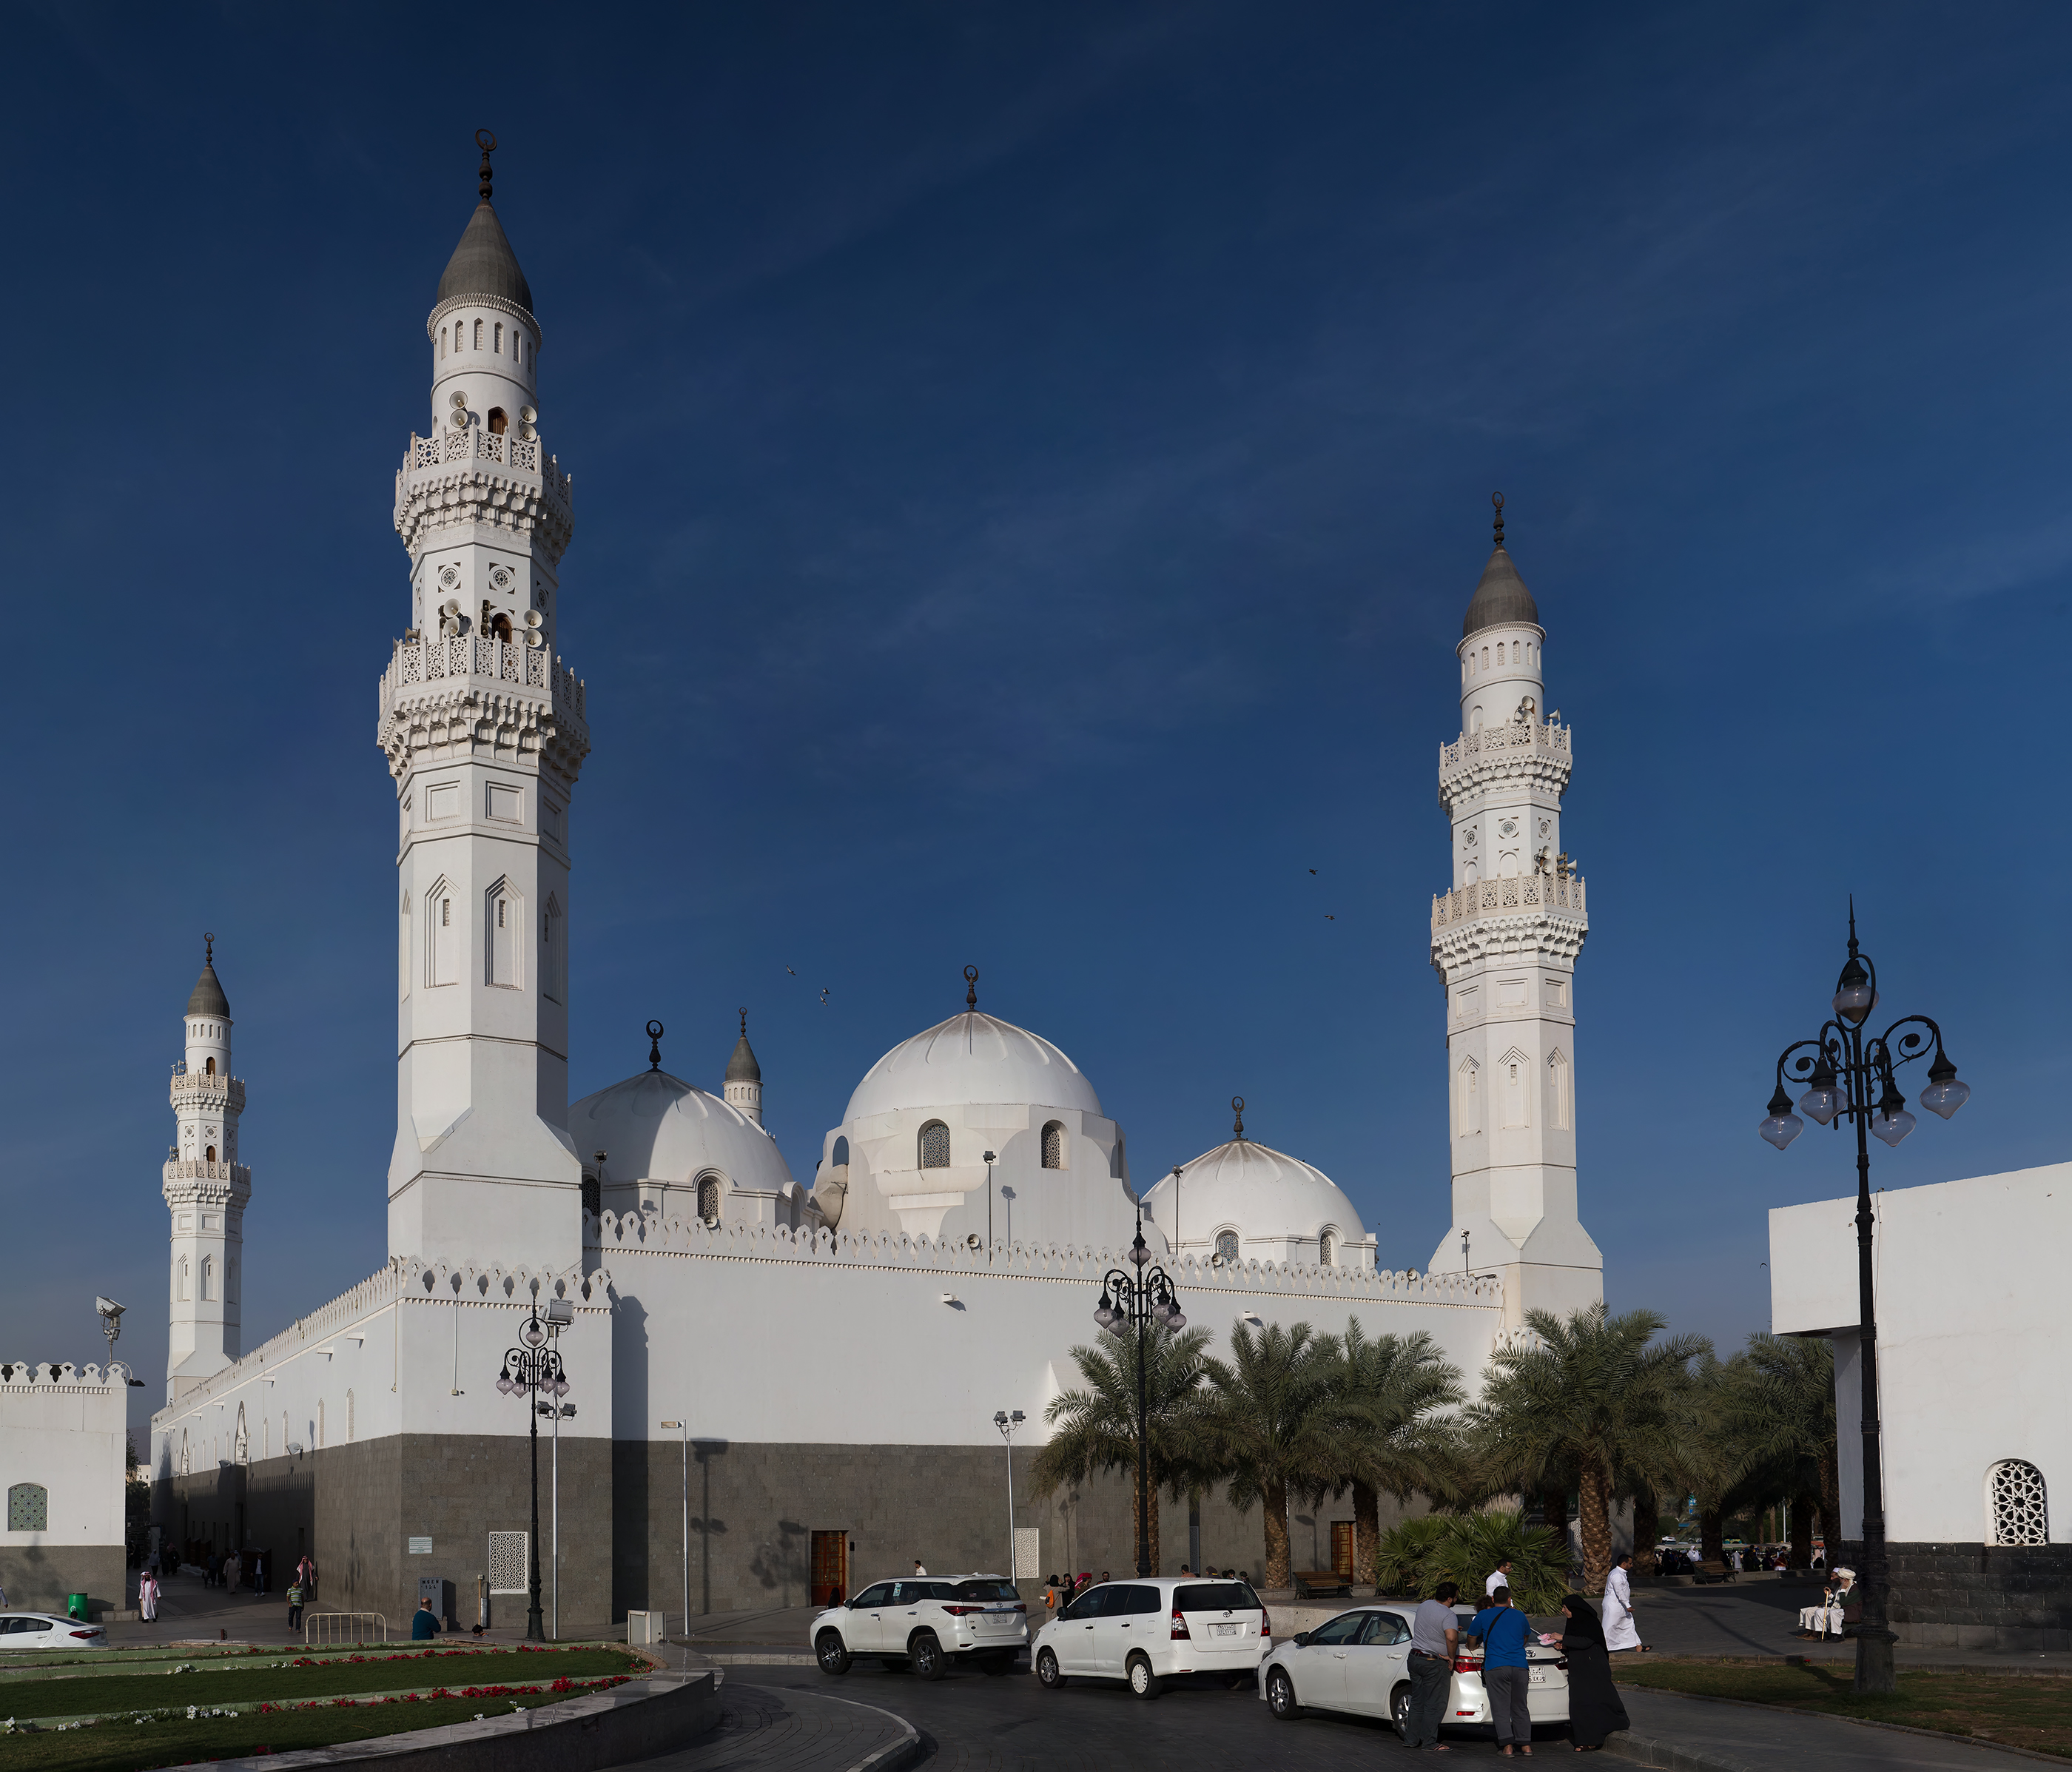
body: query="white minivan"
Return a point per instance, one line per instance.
(1147, 1631)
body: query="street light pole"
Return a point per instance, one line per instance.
(1138, 1302)
(531, 1371)
(1007, 1423)
(561, 1312)
(990, 1159)
(684, 1428)
(1843, 1068)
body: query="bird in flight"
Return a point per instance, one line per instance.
(788, 969)
(824, 993)
(1329, 918)
(1313, 870)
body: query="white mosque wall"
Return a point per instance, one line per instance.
(1972, 1343)
(756, 1336)
(63, 1461)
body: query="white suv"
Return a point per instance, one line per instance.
(1147, 1631)
(925, 1623)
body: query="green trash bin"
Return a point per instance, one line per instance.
(75, 1608)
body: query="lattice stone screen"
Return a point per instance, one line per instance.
(28, 1508)
(2015, 1495)
(1028, 1547)
(507, 1563)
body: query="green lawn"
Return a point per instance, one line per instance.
(2024, 1710)
(69, 1692)
(132, 1747)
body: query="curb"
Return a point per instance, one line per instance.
(894, 1755)
(1681, 1759)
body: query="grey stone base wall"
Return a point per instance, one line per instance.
(1980, 1595)
(754, 1510)
(37, 1577)
(356, 1507)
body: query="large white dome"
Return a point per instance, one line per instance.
(1258, 1191)
(970, 1061)
(657, 1127)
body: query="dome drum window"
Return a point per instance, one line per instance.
(2018, 1510)
(1054, 1145)
(1327, 1248)
(708, 1199)
(1227, 1248)
(933, 1144)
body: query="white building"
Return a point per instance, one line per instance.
(838, 1348)
(63, 1457)
(1971, 1355)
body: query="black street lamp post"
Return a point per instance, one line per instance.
(533, 1370)
(1844, 1071)
(1140, 1301)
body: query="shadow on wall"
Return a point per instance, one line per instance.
(702, 1522)
(779, 1565)
(631, 1449)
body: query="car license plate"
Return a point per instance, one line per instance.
(1227, 1630)
(1535, 1680)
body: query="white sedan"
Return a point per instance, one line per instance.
(1358, 1663)
(47, 1631)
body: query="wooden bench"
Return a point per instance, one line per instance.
(1321, 1583)
(1712, 1569)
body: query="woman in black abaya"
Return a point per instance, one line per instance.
(1594, 1709)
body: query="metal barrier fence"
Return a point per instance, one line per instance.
(342, 1627)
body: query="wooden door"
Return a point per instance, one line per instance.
(830, 1567)
(1342, 1549)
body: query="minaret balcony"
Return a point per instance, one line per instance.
(452, 660)
(200, 1182)
(1523, 894)
(1528, 752)
(477, 476)
(201, 1089)
(473, 695)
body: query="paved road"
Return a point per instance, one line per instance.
(761, 1730)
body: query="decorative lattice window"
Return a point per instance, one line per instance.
(1327, 1248)
(708, 1199)
(1054, 1146)
(507, 1553)
(28, 1508)
(935, 1146)
(1227, 1247)
(2016, 1504)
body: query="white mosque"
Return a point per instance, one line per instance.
(779, 1383)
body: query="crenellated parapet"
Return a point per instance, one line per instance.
(470, 477)
(17, 1376)
(625, 1234)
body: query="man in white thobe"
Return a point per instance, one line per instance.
(1619, 1630)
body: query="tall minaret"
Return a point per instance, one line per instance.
(1505, 940)
(743, 1087)
(206, 1189)
(483, 726)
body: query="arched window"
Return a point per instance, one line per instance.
(243, 1443)
(28, 1508)
(210, 1156)
(478, 334)
(498, 422)
(840, 1160)
(2017, 1507)
(1227, 1247)
(935, 1146)
(1054, 1145)
(499, 338)
(208, 1068)
(517, 345)
(708, 1199)
(1327, 1248)
(443, 341)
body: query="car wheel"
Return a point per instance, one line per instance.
(925, 1656)
(996, 1665)
(1399, 1709)
(1047, 1675)
(1142, 1681)
(1281, 1695)
(832, 1652)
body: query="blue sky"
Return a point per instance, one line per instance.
(1030, 464)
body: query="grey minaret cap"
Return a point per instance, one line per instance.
(1500, 597)
(208, 999)
(484, 263)
(742, 1068)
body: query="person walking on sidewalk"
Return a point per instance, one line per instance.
(147, 1597)
(294, 1605)
(1620, 1631)
(1594, 1709)
(1435, 1636)
(1505, 1630)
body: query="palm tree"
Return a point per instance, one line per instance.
(1595, 1393)
(1780, 1415)
(1382, 1415)
(1093, 1430)
(1270, 1427)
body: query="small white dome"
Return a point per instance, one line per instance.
(1258, 1191)
(971, 1060)
(654, 1126)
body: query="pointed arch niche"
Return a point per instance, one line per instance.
(504, 921)
(445, 925)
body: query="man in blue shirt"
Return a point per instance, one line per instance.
(1505, 1630)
